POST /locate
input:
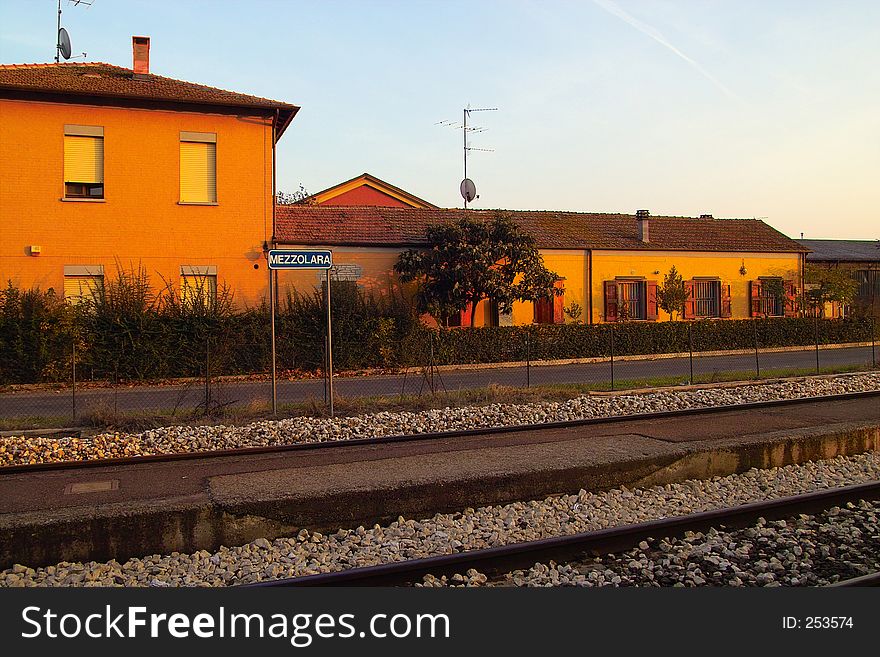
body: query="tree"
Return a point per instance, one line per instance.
(299, 197)
(826, 285)
(472, 259)
(672, 295)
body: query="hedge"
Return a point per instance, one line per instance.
(131, 335)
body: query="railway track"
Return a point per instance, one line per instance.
(496, 561)
(385, 440)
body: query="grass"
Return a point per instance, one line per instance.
(103, 416)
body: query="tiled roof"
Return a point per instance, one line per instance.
(109, 81)
(378, 226)
(376, 183)
(843, 250)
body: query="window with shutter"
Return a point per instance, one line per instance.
(610, 301)
(83, 162)
(707, 298)
(198, 168)
(79, 289)
(632, 300)
(198, 286)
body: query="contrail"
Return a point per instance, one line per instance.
(612, 8)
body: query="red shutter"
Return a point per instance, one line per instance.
(610, 301)
(652, 299)
(725, 300)
(558, 304)
(689, 304)
(791, 305)
(755, 298)
(466, 315)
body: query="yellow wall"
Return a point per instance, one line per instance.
(654, 265)
(140, 219)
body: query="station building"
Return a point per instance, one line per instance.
(103, 167)
(606, 262)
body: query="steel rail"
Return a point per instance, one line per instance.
(462, 433)
(872, 579)
(497, 560)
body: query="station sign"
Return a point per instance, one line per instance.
(300, 259)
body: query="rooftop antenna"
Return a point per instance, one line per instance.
(62, 43)
(467, 187)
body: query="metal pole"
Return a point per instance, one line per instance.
(691, 352)
(207, 374)
(464, 139)
(58, 35)
(611, 326)
(73, 372)
(528, 359)
(272, 323)
(817, 343)
(757, 362)
(873, 340)
(324, 367)
(329, 350)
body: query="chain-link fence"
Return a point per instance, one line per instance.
(109, 395)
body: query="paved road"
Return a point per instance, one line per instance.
(165, 398)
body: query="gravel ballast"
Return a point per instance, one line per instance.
(313, 552)
(807, 550)
(22, 450)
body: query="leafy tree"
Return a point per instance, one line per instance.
(672, 295)
(472, 259)
(827, 285)
(299, 197)
(574, 312)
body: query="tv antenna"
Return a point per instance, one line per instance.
(62, 43)
(467, 187)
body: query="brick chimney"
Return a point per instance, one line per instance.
(140, 47)
(644, 228)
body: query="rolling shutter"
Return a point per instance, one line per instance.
(83, 159)
(81, 288)
(198, 172)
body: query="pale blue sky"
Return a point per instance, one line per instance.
(739, 108)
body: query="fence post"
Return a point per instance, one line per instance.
(73, 378)
(431, 364)
(115, 391)
(207, 375)
(873, 340)
(528, 358)
(611, 326)
(757, 361)
(817, 343)
(691, 352)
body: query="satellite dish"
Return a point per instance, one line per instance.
(468, 190)
(64, 43)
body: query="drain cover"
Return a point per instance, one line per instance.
(91, 487)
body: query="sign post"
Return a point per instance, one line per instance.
(301, 259)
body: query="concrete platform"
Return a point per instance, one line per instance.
(122, 511)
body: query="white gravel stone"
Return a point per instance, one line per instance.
(179, 439)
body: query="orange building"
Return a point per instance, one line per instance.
(609, 265)
(104, 166)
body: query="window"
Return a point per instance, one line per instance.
(198, 286)
(632, 297)
(198, 167)
(83, 283)
(773, 297)
(707, 298)
(627, 299)
(83, 161)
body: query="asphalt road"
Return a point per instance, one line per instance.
(58, 404)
